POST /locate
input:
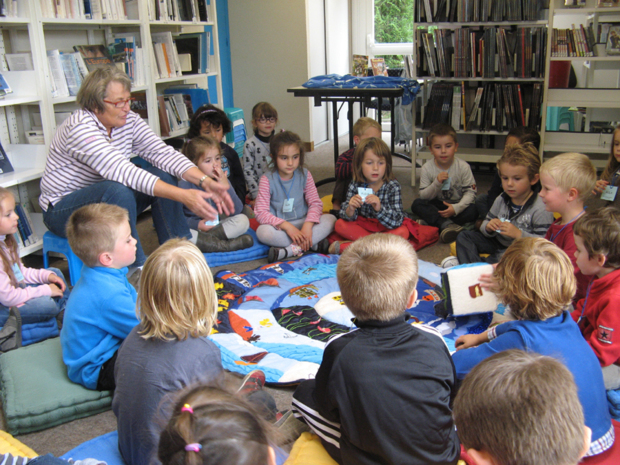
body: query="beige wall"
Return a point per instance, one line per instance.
(269, 53)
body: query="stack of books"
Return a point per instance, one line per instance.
(25, 234)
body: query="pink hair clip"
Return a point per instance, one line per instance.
(193, 447)
(187, 408)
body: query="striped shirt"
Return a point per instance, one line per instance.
(262, 207)
(82, 154)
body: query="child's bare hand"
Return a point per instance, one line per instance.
(488, 282)
(306, 230)
(441, 177)
(469, 340)
(356, 201)
(56, 292)
(295, 234)
(55, 279)
(374, 202)
(510, 230)
(493, 225)
(599, 187)
(448, 212)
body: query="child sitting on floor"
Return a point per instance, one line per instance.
(101, 310)
(611, 174)
(211, 426)
(447, 186)
(567, 181)
(288, 206)
(374, 196)
(211, 121)
(549, 426)
(383, 393)
(597, 237)
(39, 295)
(256, 148)
(226, 235)
(517, 212)
(364, 128)
(537, 280)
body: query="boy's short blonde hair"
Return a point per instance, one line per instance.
(94, 229)
(380, 149)
(600, 232)
(522, 409)
(377, 275)
(522, 155)
(536, 278)
(439, 130)
(177, 296)
(363, 124)
(571, 170)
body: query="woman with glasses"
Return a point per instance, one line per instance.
(89, 162)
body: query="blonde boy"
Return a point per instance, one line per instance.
(383, 392)
(364, 128)
(566, 182)
(597, 238)
(447, 186)
(102, 312)
(549, 427)
(517, 212)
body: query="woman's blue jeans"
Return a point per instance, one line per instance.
(40, 308)
(168, 216)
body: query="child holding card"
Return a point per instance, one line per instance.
(374, 201)
(607, 186)
(447, 186)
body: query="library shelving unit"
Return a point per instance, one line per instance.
(478, 144)
(597, 95)
(31, 104)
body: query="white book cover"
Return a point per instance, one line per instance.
(72, 73)
(59, 83)
(161, 61)
(81, 65)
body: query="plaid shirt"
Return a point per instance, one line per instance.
(391, 214)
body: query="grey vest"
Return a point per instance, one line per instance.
(278, 190)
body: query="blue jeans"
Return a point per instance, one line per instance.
(40, 308)
(168, 216)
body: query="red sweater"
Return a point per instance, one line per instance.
(601, 318)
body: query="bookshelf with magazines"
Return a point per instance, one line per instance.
(581, 118)
(482, 63)
(70, 30)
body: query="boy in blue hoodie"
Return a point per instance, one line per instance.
(103, 310)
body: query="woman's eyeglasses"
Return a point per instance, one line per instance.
(120, 103)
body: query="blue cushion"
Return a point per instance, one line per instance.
(35, 332)
(257, 251)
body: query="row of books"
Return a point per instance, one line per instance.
(492, 107)
(432, 11)
(482, 52)
(8, 8)
(184, 54)
(573, 42)
(25, 234)
(178, 10)
(176, 107)
(90, 9)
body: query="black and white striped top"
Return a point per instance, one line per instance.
(82, 154)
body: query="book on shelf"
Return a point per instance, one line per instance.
(166, 53)
(94, 56)
(359, 66)
(573, 42)
(613, 41)
(139, 105)
(19, 61)
(198, 96)
(5, 88)
(178, 10)
(71, 72)
(5, 163)
(164, 121)
(196, 45)
(608, 3)
(433, 11)
(378, 66)
(59, 82)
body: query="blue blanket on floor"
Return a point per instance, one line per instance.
(277, 318)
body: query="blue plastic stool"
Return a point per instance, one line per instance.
(54, 243)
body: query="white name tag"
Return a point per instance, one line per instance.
(214, 222)
(609, 193)
(364, 192)
(445, 186)
(287, 206)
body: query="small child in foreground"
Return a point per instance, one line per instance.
(517, 212)
(211, 426)
(383, 393)
(364, 128)
(597, 238)
(537, 280)
(256, 148)
(549, 426)
(101, 310)
(447, 186)
(566, 182)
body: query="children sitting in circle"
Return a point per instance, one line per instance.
(288, 206)
(209, 120)
(224, 234)
(537, 280)
(374, 202)
(38, 295)
(256, 148)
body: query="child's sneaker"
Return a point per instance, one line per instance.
(448, 235)
(334, 247)
(449, 262)
(253, 381)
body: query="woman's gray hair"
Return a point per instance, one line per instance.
(93, 89)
